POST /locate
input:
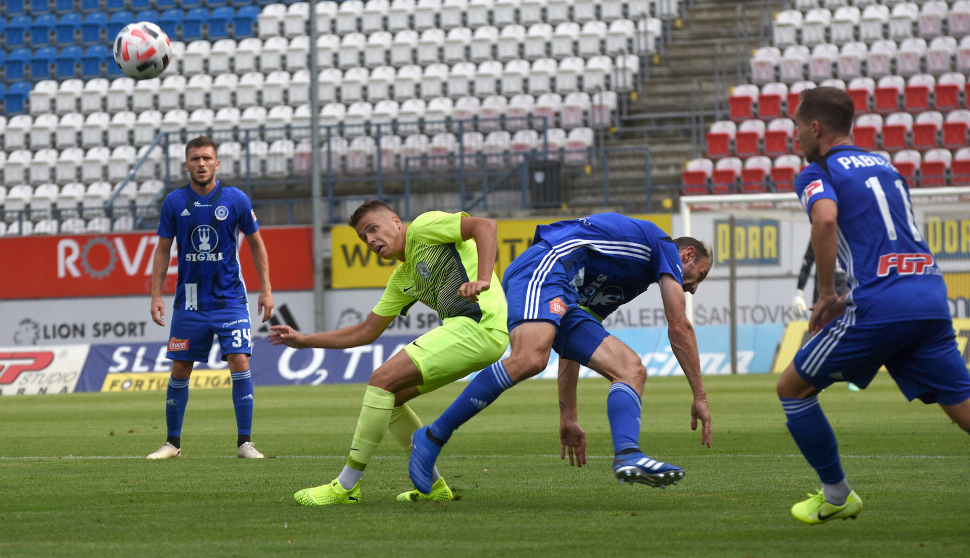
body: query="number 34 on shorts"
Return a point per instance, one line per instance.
(193, 332)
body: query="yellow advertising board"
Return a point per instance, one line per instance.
(353, 266)
(796, 335)
(158, 381)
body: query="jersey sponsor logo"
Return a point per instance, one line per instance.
(197, 204)
(204, 240)
(810, 190)
(176, 344)
(423, 270)
(185, 213)
(222, 212)
(557, 306)
(904, 264)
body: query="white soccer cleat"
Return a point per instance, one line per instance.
(248, 451)
(166, 451)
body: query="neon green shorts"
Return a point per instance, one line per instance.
(454, 350)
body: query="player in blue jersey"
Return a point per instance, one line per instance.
(204, 218)
(895, 313)
(575, 274)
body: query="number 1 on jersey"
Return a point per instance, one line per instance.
(876, 187)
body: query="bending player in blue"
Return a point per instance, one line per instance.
(204, 217)
(597, 262)
(895, 313)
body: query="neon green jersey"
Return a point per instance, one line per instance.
(437, 262)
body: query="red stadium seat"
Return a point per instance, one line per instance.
(955, 129)
(726, 174)
(778, 137)
(917, 92)
(867, 131)
(935, 168)
(747, 141)
(755, 174)
(770, 101)
(896, 130)
(926, 130)
(783, 172)
(720, 140)
(862, 90)
(697, 177)
(887, 94)
(741, 102)
(960, 167)
(949, 91)
(906, 162)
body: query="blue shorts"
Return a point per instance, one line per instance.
(921, 356)
(192, 332)
(537, 288)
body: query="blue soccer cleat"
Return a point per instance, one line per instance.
(636, 467)
(424, 453)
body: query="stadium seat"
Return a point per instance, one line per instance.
(960, 166)
(483, 41)
(247, 52)
(67, 62)
(93, 165)
(875, 18)
(771, 101)
(540, 78)
(377, 48)
(520, 108)
(348, 14)
(17, 31)
(491, 113)
(950, 92)
(862, 90)
(15, 66)
(794, 62)
(815, 26)
(595, 72)
(68, 130)
(888, 93)
(195, 24)
(935, 168)
(272, 53)
(147, 127)
(67, 165)
(68, 200)
(785, 29)
(954, 129)
(42, 166)
(907, 162)
(92, 61)
(764, 65)
(851, 59)
(927, 129)
(867, 131)
(783, 172)
(245, 20)
(372, 18)
(726, 176)
(779, 137)
(910, 57)
(42, 132)
(567, 76)
(741, 102)
(720, 139)
(844, 23)
(218, 23)
(902, 20)
(463, 114)
(896, 132)
(226, 119)
(822, 63)
(749, 137)
(931, 17)
(196, 92)
(940, 55)
(172, 22)
(496, 147)
(143, 94)
(917, 93)
(697, 176)
(193, 60)
(41, 30)
(269, 22)
(248, 88)
(42, 97)
(170, 93)
(882, 55)
(220, 54)
(959, 20)
(754, 175)
(117, 22)
(68, 95)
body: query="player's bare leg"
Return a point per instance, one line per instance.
(960, 413)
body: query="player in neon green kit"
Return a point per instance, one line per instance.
(447, 263)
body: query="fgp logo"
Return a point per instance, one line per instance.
(12, 364)
(905, 264)
(205, 239)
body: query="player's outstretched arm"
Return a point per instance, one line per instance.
(571, 436)
(264, 304)
(684, 345)
(163, 255)
(484, 231)
(356, 335)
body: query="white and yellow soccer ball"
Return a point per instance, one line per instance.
(142, 50)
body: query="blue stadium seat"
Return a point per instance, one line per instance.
(41, 29)
(162, 5)
(171, 23)
(111, 6)
(63, 6)
(193, 23)
(113, 70)
(92, 28)
(15, 7)
(244, 24)
(219, 23)
(15, 97)
(117, 22)
(67, 62)
(16, 65)
(92, 60)
(139, 5)
(17, 32)
(41, 62)
(147, 15)
(190, 4)
(90, 6)
(66, 30)
(38, 7)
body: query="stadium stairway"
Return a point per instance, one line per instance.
(689, 57)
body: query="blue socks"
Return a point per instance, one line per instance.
(480, 393)
(242, 400)
(175, 401)
(623, 410)
(814, 436)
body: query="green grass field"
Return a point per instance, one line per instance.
(73, 481)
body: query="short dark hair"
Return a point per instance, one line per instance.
(365, 208)
(830, 106)
(201, 141)
(701, 249)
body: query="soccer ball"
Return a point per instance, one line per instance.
(142, 50)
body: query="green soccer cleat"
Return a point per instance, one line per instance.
(439, 493)
(328, 495)
(817, 510)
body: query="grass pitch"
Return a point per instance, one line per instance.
(74, 481)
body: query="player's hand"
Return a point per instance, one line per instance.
(285, 335)
(573, 437)
(700, 412)
(826, 309)
(265, 302)
(472, 289)
(158, 311)
(798, 307)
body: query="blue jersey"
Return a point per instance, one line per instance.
(205, 229)
(613, 258)
(890, 271)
